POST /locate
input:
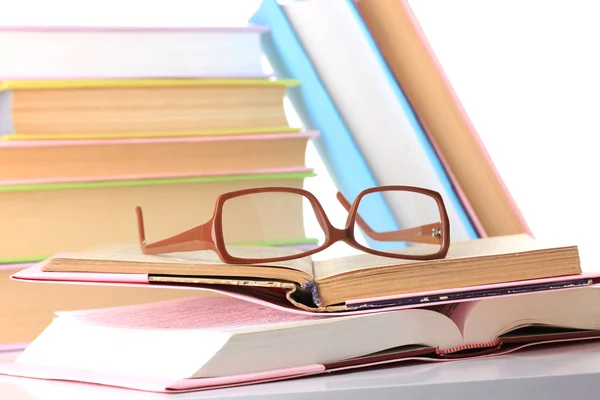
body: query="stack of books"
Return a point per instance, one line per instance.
(97, 121)
(160, 137)
(487, 297)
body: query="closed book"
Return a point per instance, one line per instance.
(38, 220)
(63, 52)
(76, 109)
(38, 160)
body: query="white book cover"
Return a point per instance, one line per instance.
(343, 56)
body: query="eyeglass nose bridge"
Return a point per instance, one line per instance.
(340, 235)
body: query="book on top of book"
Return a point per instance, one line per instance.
(489, 266)
(63, 52)
(126, 108)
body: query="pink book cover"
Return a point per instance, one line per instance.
(13, 346)
(81, 377)
(156, 384)
(101, 381)
(472, 130)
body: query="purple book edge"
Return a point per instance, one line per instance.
(8, 348)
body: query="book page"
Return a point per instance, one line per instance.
(220, 313)
(132, 253)
(447, 309)
(458, 250)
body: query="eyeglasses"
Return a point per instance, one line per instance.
(425, 234)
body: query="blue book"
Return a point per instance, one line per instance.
(311, 101)
(328, 23)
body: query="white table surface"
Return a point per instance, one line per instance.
(559, 372)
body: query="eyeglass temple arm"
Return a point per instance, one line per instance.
(419, 234)
(198, 238)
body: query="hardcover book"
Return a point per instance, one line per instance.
(39, 219)
(184, 344)
(63, 52)
(46, 160)
(104, 108)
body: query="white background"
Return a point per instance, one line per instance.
(528, 74)
(526, 71)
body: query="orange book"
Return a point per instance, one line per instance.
(151, 157)
(103, 108)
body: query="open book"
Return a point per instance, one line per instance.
(185, 338)
(329, 285)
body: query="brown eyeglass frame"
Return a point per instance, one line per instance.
(209, 236)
